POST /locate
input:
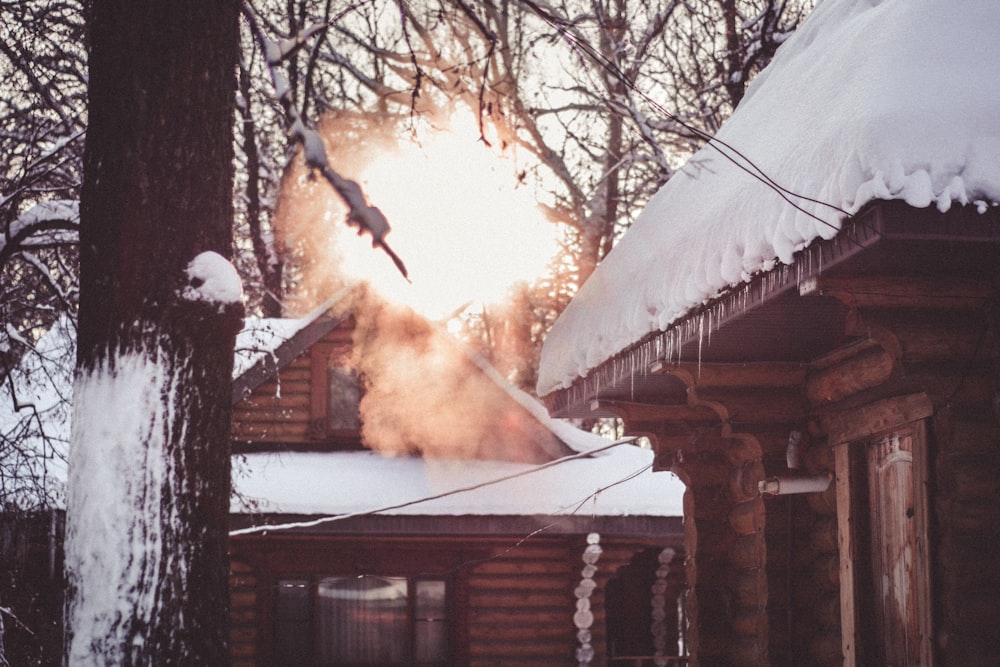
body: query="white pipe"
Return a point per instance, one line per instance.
(783, 486)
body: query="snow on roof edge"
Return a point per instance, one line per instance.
(866, 101)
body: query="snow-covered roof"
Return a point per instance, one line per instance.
(867, 100)
(358, 482)
(332, 483)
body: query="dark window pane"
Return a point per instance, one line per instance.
(362, 620)
(430, 599)
(344, 394)
(293, 623)
(430, 626)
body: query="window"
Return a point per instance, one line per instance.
(367, 620)
(343, 397)
(336, 391)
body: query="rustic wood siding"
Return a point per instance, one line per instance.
(283, 409)
(940, 335)
(514, 601)
(243, 621)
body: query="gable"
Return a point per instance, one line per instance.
(389, 380)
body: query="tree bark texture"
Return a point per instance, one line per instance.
(157, 192)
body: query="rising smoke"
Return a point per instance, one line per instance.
(422, 393)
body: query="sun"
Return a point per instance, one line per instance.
(460, 221)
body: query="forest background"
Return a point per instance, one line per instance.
(588, 106)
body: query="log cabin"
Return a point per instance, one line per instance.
(804, 321)
(469, 529)
(414, 509)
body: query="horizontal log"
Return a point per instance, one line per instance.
(750, 623)
(748, 551)
(868, 369)
(270, 431)
(704, 376)
(481, 633)
(646, 412)
(513, 617)
(826, 649)
(270, 415)
(511, 652)
(503, 566)
(848, 425)
(287, 400)
(758, 405)
(521, 600)
(825, 572)
(517, 583)
(750, 589)
(747, 517)
(940, 292)
(823, 536)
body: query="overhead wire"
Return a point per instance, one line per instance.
(734, 155)
(313, 523)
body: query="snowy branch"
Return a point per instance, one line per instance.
(361, 214)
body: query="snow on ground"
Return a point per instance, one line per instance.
(351, 482)
(891, 99)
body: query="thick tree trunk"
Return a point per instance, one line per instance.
(149, 465)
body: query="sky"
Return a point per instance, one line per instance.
(465, 227)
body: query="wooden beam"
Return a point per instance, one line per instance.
(870, 368)
(937, 292)
(855, 424)
(848, 556)
(647, 412)
(705, 376)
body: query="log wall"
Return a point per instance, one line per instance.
(513, 599)
(941, 339)
(283, 409)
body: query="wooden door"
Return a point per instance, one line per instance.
(896, 576)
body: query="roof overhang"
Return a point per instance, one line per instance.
(781, 315)
(471, 526)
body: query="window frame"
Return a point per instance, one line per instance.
(325, 358)
(313, 581)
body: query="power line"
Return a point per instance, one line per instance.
(731, 153)
(312, 523)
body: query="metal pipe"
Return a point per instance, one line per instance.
(782, 486)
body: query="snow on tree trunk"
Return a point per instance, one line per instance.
(148, 494)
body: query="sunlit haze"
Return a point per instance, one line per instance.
(463, 228)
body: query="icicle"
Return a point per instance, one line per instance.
(701, 325)
(631, 378)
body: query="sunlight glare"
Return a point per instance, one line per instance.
(463, 228)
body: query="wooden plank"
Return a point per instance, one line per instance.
(646, 412)
(710, 375)
(868, 420)
(921, 503)
(845, 524)
(271, 402)
(937, 292)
